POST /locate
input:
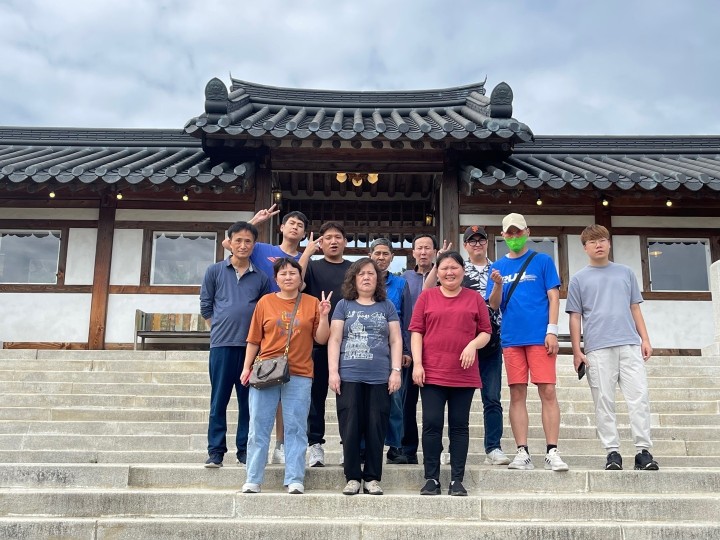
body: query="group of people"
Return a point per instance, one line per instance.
(440, 331)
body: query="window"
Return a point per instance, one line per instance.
(29, 256)
(547, 245)
(181, 258)
(678, 264)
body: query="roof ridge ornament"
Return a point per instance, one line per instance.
(501, 101)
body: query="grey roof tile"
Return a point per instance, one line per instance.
(254, 110)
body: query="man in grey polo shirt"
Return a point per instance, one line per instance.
(228, 295)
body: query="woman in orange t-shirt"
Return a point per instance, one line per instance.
(267, 338)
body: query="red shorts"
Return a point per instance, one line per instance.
(532, 358)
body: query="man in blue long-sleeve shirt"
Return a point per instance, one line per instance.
(228, 295)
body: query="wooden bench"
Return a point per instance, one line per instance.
(169, 325)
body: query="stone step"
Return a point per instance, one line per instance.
(318, 505)
(566, 374)
(198, 442)
(710, 458)
(160, 427)
(481, 479)
(227, 529)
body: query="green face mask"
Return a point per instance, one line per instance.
(516, 244)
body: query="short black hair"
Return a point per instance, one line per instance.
(331, 225)
(297, 215)
(242, 226)
(454, 255)
(282, 262)
(425, 235)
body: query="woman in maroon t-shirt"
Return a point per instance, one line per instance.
(449, 324)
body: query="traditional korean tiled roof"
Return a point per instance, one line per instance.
(605, 163)
(89, 156)
(251, 110)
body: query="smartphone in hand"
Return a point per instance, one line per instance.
(581, 371)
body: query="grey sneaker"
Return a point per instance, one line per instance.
(373, 488)
(250, 488)
(352, 488)
(496, 457)
(317, 455)
(296, 488)
(522, 461)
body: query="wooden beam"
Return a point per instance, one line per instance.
(263, 198)
(101, 276)
(310, 184)
(449, 205)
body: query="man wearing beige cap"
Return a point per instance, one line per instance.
(525, 289)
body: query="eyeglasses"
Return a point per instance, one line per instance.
(477, 241)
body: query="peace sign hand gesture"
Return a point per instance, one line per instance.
(445, 247)
(325, 304)
(313, 245)
(264, 215)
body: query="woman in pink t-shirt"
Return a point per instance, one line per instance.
(449, 324)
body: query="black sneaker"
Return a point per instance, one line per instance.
(214, 461)
(644, 462)
(411, 458)
(456, 489)
(431, 487)
(614, 462)
(396, 457)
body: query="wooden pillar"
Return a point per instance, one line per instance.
(101, 277)
(449, 206)
(263, 199)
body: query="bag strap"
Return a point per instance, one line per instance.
(292, 320)
(517, 280)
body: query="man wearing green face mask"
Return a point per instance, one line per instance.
(528, 336)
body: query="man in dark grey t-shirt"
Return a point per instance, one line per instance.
(604, 301)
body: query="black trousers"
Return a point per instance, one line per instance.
(318, 396)
(410, 439)
(458, 402)
(363, 413)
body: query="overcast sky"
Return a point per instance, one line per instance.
(576, 67)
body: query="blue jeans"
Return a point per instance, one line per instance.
(295, 398)
(226, 364)
(491, 375)
(394, 434)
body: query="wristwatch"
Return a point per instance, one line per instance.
(396, 369)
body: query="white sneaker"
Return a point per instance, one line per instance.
(373, 488)
(250, 488)
(317, 455)
(352, 488)
(522, 461)
(444, 458)
(278, 455)
(496, 457)
(296, 488)
(554, 461)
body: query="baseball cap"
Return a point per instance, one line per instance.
(472, 231)
(514, 220)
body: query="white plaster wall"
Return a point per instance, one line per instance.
(50, 213)
(80, 266)
(577, 259)
(126, 257)
(191, 216)
(670, 222)
(61, 317)
(121, 311)
(626, 250)
(492, 220)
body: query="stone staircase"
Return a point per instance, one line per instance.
(110, 445)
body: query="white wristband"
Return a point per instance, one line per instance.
(552, 329)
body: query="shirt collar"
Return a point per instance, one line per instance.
(229, 263)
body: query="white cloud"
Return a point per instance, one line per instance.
(576, 67)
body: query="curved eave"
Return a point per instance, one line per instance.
(619, 172)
